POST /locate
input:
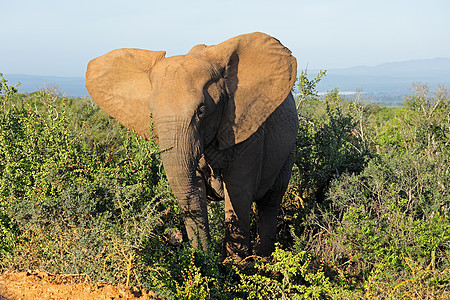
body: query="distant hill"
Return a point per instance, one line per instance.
(71, 86)
(385, 82)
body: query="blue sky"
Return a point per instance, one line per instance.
(59, 37)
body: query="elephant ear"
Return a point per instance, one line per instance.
(119, 83)
(259, 73)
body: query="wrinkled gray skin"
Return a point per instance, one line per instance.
(257, 169)
(190, 96)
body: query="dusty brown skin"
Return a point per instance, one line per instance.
(228, 116)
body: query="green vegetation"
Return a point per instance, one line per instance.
(366, 214)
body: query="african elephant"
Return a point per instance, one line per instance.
(228, 119)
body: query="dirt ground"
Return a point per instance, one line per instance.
(41, 285)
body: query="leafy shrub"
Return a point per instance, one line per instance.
(384, 177)
(80, 194)
(287, 276)
(416, 282)
(395, 211)
(331, 141)
(77, 194)
(365, 214)
(421, 125)
(8, 228)
(389, 211)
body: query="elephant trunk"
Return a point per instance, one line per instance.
(180, 161)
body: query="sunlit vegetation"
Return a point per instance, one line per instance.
(366, 214)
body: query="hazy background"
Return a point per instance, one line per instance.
(58, 38)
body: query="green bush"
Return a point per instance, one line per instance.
(397, 207)
(370, 191)
(77, 189)
(331, 141)
(287, 276)
(395, 211)
(81, 194)
(365, 214)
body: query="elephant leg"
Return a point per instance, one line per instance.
(268, 208)
(237, 222)
(240, 186)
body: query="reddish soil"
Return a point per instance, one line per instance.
(42, 285)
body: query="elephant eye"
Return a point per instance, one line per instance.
(201, 110)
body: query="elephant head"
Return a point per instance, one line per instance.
(221, 94)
